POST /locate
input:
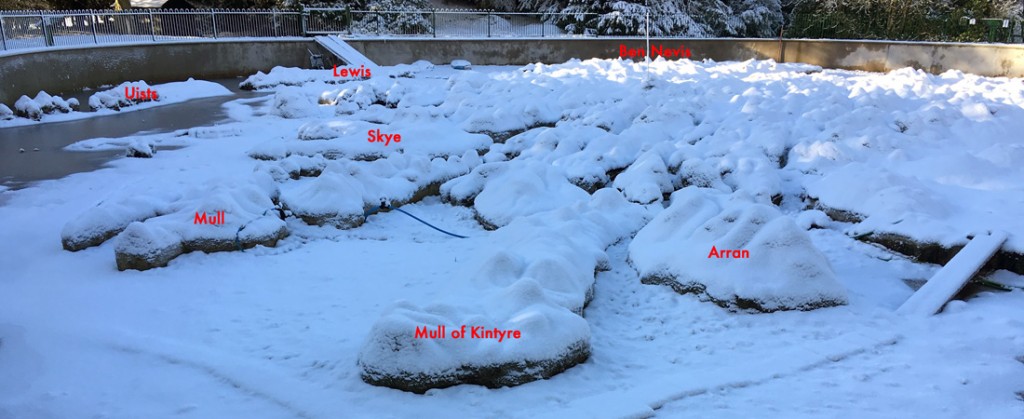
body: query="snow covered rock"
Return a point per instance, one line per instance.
(769, 262)
(461, 65)
(551, 340)
(5, 113)
(699, 173)
(166, 223)
(98, 224)
(140, 149)
(255, 229)
(215, 219)
(42, 104)
(530, 281)
(116, 97)
(340, 191)
(25, 107)
(646, 180)
(356, 96)
(332, 198)
(464, 189)
(142, 247)
(340, 138)
(292, 103)
(524, 190)
(250, 218)
(51, 104)
(284, 76)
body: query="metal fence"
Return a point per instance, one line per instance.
(434, 23)
(31, 29)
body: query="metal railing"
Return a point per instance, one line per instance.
(437, 23)
(32, 29)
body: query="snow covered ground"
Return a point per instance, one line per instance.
(596, 155)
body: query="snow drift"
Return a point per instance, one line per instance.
(784, 270)
(535, 276)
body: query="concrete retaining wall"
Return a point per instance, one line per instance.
(61, 71)
(67, 70)
(525, 51)
(982, 59)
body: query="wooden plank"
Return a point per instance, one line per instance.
(344, 51)
(951, 278)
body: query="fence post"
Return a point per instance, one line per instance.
(302, 19)
(273, 18)
(92, 18)
(379, 18)
(152, 25)
(3, 35)
(46, 35)
(541, 26)
(488, 23)
(433, 22)
(213, 18)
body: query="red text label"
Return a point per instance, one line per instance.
(375, 136)
(140, 95)
(475, 332)
(361, 72)
(728, 254)
(656, 50)
(201, 218)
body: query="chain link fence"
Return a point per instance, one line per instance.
(34, 29)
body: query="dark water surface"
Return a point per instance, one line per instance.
(19, 169)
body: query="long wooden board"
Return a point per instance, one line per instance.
(951, 278)
(343, 50)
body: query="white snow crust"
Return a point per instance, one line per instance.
(282, 331)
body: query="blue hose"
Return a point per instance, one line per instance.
(378, 208)
(428, 224)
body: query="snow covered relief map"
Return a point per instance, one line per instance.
(594, 238)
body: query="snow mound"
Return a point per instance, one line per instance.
(5, 113)
(779, 268)
(340, 192)
(363, 95)
(117, 97)
(292, 103)
(522, 190)
(105, 220)
(42, 104)
(220, 217)
(533, 278)
(332, 198)
(25, 107)
(140, 148)
(337, 139)
(143, 246)
(645, 181)
(284, 76)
